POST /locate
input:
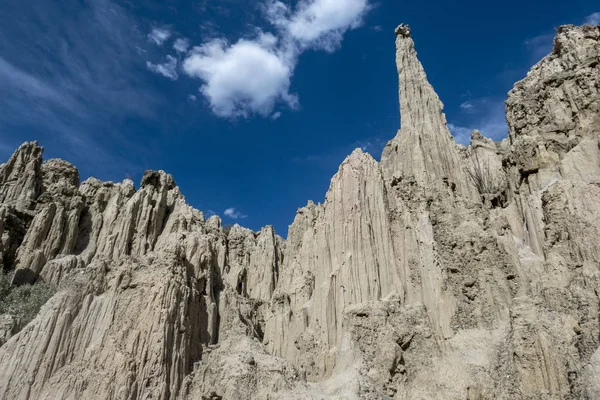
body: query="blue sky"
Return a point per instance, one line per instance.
(251, 105)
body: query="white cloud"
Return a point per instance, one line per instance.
(167, 69)
(159, 35)
(243, 78)
(234, 213)
(79, 91)
(191, 97)
(181, 45)
(592, 19)
(276, 115)
(29, 85)
(318, 23)
(253, 75)
(467, 106)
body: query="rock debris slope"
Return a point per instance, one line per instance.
(441, 272)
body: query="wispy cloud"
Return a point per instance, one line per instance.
(181, 45)
(29, 84)
(592, 19)
(233, 213)
(70, 81)
(467, 106)
(317, 24)
(159, 35)
(168, 69)
(253, 74)
(485, 114)
(276, 115)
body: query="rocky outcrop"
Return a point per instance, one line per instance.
(440, 272)
(253, 262)
(20, 177)
(339, 253)
(53, 231)
(553, 118)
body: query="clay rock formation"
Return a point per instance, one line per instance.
(20, 177)
(442, 271)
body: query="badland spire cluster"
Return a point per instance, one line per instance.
(441, 272)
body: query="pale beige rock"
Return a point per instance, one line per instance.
(553, 125)
(413, 280)
(483, 161)
(253, 262)
(2, 240)
(8, 326)
(20, 177)
(591, 381)
(54, 229)
(13, 227)
(423, 151)
(344, 256)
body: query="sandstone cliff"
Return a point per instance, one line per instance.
(440, 272)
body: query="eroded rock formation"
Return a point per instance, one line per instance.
(441, 272)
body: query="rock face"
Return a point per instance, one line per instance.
(441, 272)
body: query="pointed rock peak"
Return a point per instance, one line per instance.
(403, 30)
(238, 230)
(158, 179)
(27, 152)
(358, 157)
(420, 106)
(267, 229)
(20, 177)
(356, 154)
(423, 150)
(476, 135)
(30, 148)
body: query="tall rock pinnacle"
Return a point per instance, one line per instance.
(420, 106)
(20, 177)
(423, 150)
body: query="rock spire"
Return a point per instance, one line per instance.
(423, 150)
